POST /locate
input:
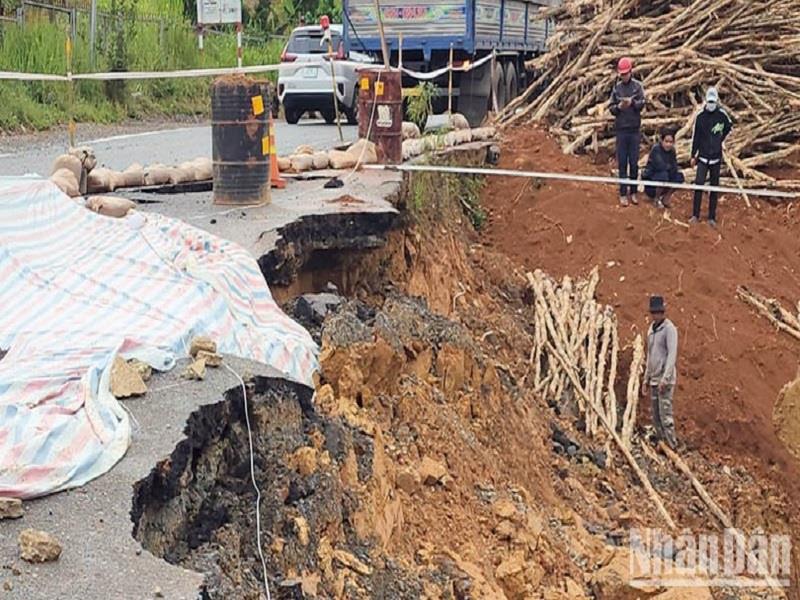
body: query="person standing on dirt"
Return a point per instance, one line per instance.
(627, 102)
(662, 166)
(711, 126)
(660, 374)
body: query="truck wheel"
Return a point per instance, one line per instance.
(512, 84)
(473, 94)
(292, 114)
(329, 115)
(499, 87)
(352, 112)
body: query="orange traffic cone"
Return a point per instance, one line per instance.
(274, 175)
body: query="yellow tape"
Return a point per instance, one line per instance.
(258, 105)
(365, 84)
(379, 88)
(411, 92)
(265, 145)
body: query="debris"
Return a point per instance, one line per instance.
(431, 471)
(11, 508)
(196, 370)
(304, 460)
(202, 343)
(38, 546)
(301, 529)
(315, 307)
(110, 206)
(408, 480)
(145, 371)
(505, 509)
(8, 586)
(158, 593)
(212, 358)
(126, 380)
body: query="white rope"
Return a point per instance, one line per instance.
(434, 74)
(253, 478)
(587, 179)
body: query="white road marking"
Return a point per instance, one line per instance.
(126, 136)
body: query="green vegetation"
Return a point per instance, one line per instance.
(435, 196)
(418, 104)
(126, 43)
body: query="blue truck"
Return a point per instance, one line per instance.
(514, 29)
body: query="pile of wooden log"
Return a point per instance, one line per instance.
(576, 350)
(748, 49)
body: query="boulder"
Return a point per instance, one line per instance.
(315, 307)
(511, 575)
(66, 182)
(38, 546)
(613, 580)
(110, 206)
(10, 508)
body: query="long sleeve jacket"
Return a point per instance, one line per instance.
(629, 119)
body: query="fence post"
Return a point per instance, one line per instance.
(70, 93)
(92, 32)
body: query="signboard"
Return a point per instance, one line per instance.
(213, 12)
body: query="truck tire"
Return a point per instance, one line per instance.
(473, 94)
(352, 111)
(499, 86)
(292, 114)
(512, 83)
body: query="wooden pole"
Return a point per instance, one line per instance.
(450, 82)
(384, 47)
(333, 79)
(92, 33)
(70, 93)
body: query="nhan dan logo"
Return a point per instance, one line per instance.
(728, 559)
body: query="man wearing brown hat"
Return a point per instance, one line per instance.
(660, 374)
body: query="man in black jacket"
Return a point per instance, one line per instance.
(627, 102)
(711, 127)
(662, 166)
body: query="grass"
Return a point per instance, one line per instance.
(39, 47)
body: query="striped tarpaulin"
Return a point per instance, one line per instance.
(76, 288)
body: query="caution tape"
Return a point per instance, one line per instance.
(588, 179)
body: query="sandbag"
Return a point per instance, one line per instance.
(180, 175)
(364, 152)
(284, 164)
(432, 142)
(457, 121)
(451, 139)
(301, 162)
(413, 148)
(203, 169)
(156, 174)
(480, 134)
(341, 160)
(320, 160)
(133, 176)
(110, 206)
(116, 180)
(463, 136)
(71, 163)
(99, 180)
(410, 130)
(189, 169)
(86, 155)
(304, 149)
(66, 182)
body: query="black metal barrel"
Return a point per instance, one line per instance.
(240, 140)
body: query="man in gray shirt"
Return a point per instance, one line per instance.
(660, 374)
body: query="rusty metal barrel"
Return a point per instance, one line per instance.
(240, 140)
(380, 98)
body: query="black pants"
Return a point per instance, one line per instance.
(703, 169)
(628, 159)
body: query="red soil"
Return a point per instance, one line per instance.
(732, 363)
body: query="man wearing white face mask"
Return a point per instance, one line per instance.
(711, 127)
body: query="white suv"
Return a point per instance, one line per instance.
(307, 87)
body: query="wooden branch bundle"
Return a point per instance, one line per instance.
(634, 383)
(747, 48)
(772, 310)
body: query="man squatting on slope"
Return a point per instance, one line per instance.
(627, 102)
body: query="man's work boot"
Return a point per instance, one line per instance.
(634, 200)
(693, 220)
(712, 222)
(623, 201)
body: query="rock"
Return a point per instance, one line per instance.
(511, 576)
(212, 358)
(11, 508)
(351, 562)
(505, 509)
(505, 529)
(304, 460)
(614, 579)
(126, 380)
(7, 585)
(158, 593)
(145, 371)
(301, 529)
(431, 471)
(196, 370)
(315, 307)
(38, 546)
(202, 342)
(277, 545)
(408, 480)
(685, 593)
(15, 570)
(574, 590)
(110, 206)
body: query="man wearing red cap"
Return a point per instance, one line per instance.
(627, 102)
